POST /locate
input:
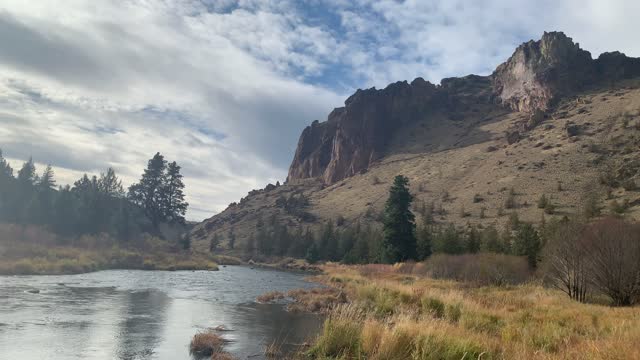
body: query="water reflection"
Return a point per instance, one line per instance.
(144, 315)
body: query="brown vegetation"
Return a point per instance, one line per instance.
(600, 257)
(208, 343)
(394, 314)
(27, 250)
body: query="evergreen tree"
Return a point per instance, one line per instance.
(490, 240)
(6, 189)
(231, 239)
(110, 185)
(328, 248)
(185, 241)
(312, 255)
(172, 195)
(27, 174)
(424, 242)
(527, 243)
(399, 223)
(214, 243)
(65, 212)
(472, 240)
(449, 241)
(148, 192)
(46, 182)
(251, 244)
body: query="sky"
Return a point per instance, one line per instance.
(224, 87)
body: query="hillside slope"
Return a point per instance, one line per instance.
(550, 120)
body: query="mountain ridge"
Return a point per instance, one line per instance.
(540, 115)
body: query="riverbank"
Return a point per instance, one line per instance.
(34, 251)
(392, 313)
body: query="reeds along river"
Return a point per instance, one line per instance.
(125, 314)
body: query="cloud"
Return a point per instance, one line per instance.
(224, 87)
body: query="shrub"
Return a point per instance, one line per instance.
(481, 269)
(206, 344)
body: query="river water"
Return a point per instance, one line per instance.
(128, 314)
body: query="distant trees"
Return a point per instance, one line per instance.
(93, 204)
(399, 223)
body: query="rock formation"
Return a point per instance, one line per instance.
(531, 80)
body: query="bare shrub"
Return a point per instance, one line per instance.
(565, 261)
(480, 269)
(613, 246)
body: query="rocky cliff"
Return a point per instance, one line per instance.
(550, 120)
(537, 75)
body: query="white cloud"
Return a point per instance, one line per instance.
(225, 86)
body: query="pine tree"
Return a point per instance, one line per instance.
(148, 192)
(46, 182)
(172, 195)
(251, 244)
(214, 243)
(110, 185)
(399, 223)
(312, 255)
(527, 243)
(231, 239)
(6, 189)
(424, 244)
(27, 174)
(490, 240)
(472, 240)
(449, 241)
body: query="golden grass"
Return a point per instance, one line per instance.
(32, 251)
(392, 315)
(270, 297)
(209, 343)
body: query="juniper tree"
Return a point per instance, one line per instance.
(399, 223)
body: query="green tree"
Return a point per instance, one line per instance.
(490, 240)
(527, 243)
(110, 185)
(214, 243)
(399, 223)
(449, 241)
(172, 195)
(231, 237)
(472, 240)
(312, 255)
(148, 192)
(424, 246)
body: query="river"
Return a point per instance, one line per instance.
(128, 314)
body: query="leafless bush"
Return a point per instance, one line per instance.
(480, 269)
(613, 246)
(565, 262)
(602, 256)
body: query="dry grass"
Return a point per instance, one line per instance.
(270, 297)
(31, 250)
(398, 316)
(209, 343)
(317, 300)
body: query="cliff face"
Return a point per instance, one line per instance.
(356, 135)
(537, 75)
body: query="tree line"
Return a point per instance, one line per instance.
(93, 204)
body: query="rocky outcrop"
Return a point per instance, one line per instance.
(531, 80)
(356, 135)
(538, 72)
(541, 72)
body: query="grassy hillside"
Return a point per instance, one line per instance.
(584, 152)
